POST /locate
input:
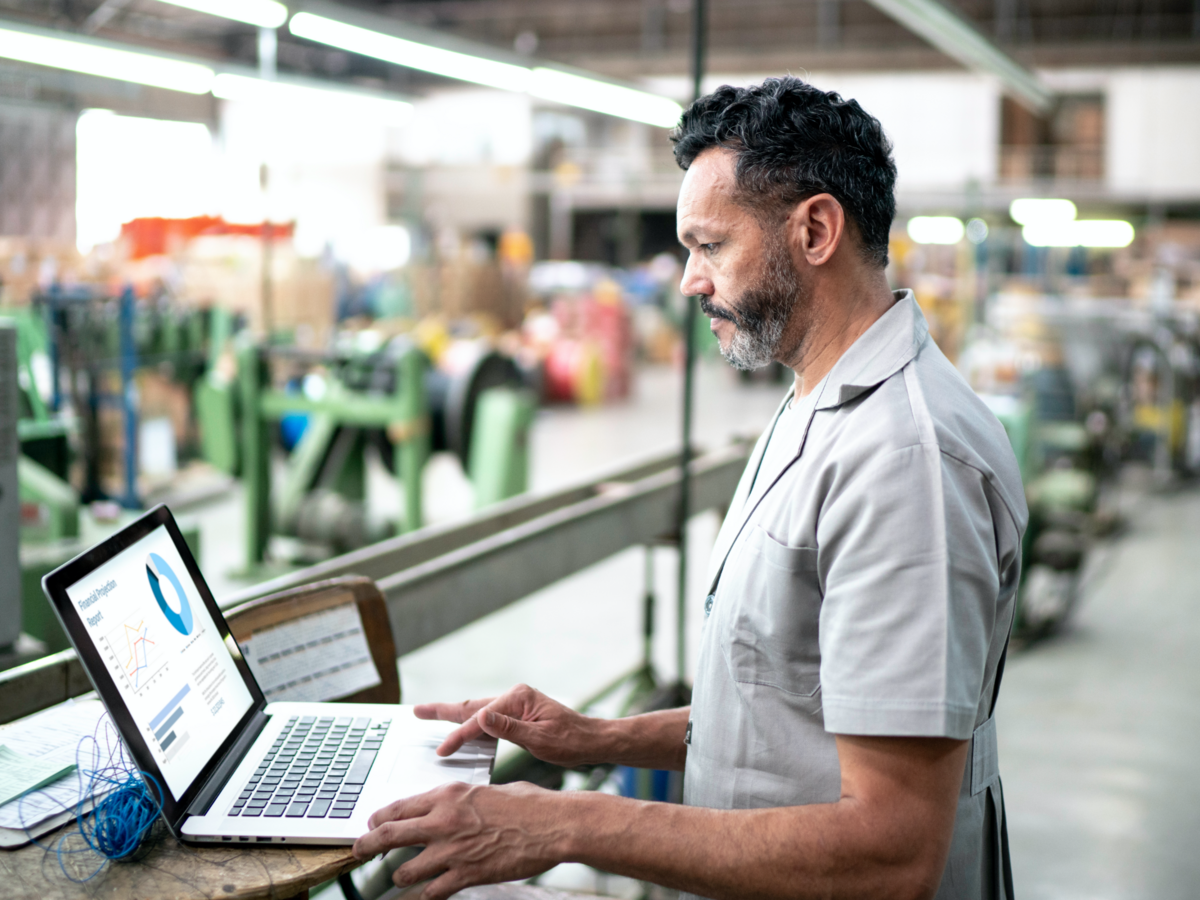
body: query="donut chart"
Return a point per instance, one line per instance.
(157, 571)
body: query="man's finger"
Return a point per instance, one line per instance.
(406, 808)
(428, 864)
(459, 736)
(450, 712)
(445, 885)
(498, 725)
(390, 835)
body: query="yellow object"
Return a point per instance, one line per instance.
(589, 385)
(432, 336)
(516, 247)
(1148, 417)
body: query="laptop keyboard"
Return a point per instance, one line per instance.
(315, 769)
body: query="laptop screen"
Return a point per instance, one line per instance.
(164, 653)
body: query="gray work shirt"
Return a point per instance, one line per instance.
(863, 583)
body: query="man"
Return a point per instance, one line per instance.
(840, 741)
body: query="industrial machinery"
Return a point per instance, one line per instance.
(1160, 409)
(1053, 450)
(331, 408)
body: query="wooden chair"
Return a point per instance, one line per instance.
(259, 618)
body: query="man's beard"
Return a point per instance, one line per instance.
(761, 312)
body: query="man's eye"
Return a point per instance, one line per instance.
(709, 248)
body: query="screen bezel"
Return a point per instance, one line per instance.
(55, 586)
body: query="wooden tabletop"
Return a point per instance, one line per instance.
(169, 870)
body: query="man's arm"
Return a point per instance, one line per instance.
(887, 836)
(557, 734)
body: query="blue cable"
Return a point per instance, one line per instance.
(118, 823)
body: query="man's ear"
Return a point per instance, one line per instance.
(816, 228)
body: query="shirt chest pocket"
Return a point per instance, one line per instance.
(771, 600)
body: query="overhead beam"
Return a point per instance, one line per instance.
(960, 40)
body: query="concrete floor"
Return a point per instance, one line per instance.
(1098, 724)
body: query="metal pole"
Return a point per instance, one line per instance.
(699, 40)
(128, 348)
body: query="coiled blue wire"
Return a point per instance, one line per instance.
(117, 824)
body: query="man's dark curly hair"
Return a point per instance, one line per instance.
(794, 141)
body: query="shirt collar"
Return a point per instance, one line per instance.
(879, 353)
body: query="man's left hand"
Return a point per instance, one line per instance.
(471, 834)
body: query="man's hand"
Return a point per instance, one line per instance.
(472, 835)
(550, 731)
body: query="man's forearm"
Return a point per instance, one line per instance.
(827, 850)
(649, 741)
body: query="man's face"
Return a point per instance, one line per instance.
(744, 274)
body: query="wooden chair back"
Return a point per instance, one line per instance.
(258, 618)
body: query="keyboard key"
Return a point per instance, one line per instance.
(256, 803)
(234, 810)
(252, 812)
(352, 789)
(275, 810)
(362, 767)
(297, 810)
(341, 814)
(318, 808)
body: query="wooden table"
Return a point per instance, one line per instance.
(170, 870)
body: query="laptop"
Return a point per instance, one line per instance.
(232, 767)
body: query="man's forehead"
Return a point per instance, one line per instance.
(708, 187)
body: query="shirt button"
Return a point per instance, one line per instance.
(708, 602)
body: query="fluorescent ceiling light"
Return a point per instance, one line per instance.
(448, 63)
(935, 229)
(1079, 233)
(604, 97)
(548, 84)
(93, 58)
(227, 86)
(1032, 210)
(263, 13)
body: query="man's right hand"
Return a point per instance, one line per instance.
(550, 731)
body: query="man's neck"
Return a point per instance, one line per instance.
(837, 317)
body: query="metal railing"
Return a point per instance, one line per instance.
(439, 579)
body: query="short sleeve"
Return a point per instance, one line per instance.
(908, 560)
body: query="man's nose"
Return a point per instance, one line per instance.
(694, 281)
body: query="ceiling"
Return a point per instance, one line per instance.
(631, 38)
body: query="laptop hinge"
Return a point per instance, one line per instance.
(225, 769)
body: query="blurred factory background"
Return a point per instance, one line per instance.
(392, 288)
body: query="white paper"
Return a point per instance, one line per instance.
(54, 735)
(316, 657)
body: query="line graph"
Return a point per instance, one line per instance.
(136, 651)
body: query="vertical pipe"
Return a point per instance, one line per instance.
(256, 457)
(648, 604)
(413, 438)
(699, 40)
(129, 396)
(10, 505)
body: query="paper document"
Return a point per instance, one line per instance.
(19, 774)
(317, 657)
(52, 737)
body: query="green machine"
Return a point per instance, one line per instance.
(392, 400)
(1061, 491)
(76, 333)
